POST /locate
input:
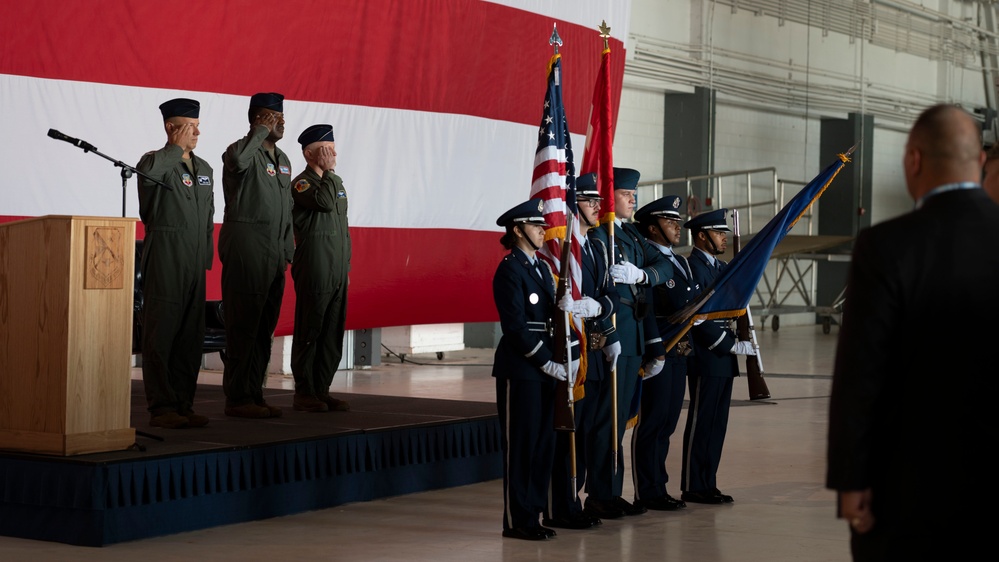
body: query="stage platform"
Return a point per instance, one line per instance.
(239, 470)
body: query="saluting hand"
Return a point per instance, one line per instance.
(326, 158)
(182, 135)
(267, 119)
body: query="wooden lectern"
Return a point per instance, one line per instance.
(66, 334)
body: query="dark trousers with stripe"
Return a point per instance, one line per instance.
(526, 412)
(662, 401)
(704, 435)
(603, 484)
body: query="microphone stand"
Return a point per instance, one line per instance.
(126, 170)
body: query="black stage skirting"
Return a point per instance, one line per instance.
(239, 470)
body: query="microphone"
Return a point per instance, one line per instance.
(86, 146)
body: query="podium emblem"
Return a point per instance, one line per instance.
(105, 257)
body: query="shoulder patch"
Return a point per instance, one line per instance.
(302, 185)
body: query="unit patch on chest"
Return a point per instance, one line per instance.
(204, 180)
(186, 178)
(285, 170)
(270, 169)
(302, 185)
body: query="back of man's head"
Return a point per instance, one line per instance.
(944, 147)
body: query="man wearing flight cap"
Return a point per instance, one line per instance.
(177, 250)
(637, 267)
(320, 268)
(713, 367)
(662, 394)
(255, 247)
(526, 371)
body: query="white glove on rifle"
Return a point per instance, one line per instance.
(612, 352)
(743, 348)
(554, 370)
(585, 308)
(565, 303)
(653, 368)
(628, 274)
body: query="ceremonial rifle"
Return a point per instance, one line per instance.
(746, 332)
(564, 418)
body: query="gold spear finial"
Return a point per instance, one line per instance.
(605, 33)
(555, 40)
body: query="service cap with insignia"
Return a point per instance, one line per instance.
(586, 187)
(180, 107)
(626, 178)
(713, 220)
(316, 133)
(528, 212)
(665, 207)
(268, 100)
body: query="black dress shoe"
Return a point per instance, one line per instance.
(725, 498)
(628, 508)
(707, 496)
(549, 533)
(526, 533)
(602, 509)
(573, 521)
(666, 503)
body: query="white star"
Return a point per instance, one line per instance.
(548, 119)
(551, 136)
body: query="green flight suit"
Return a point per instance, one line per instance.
(255, 246)
(320, 268)
(177, 250)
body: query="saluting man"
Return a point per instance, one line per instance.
(712, 369)
(662, 393)
(177, 250)
(320, 268)
(255, 246)
(526, 371)
(637, 267)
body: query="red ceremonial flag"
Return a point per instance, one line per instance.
(598, 155)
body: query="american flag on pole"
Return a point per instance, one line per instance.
(554, 181)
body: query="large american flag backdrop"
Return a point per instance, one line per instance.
(434, 103)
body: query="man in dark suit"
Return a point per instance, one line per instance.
(713, 368)
(662, 394)
(593, 411)
(907, 409)
(637, 267)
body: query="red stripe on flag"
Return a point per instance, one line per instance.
(426, 55)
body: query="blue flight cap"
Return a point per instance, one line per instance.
(586, 186)
(528, 212)
(667, 207)
(626, 178)
(714, 220)
(268, 100)
(180, 107)
(316, 133)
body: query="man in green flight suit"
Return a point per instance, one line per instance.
(320, 267)
(255, 247)
(177, 250)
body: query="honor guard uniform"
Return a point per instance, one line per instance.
(596, 308)
(320, 268)
(255, 247)
(526, 371)
(638, 266)
(662, 394)
(177, 250)
(713, 366)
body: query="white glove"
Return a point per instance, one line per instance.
(554, 370)
(575, 371)
(627, 273)
(612, 352)
(585, 308)
(565, 303)
(743, 348)
(653, 368)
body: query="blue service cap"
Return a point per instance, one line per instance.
(626, 178)
(528, 212)
(667, 207)
(586, 186)
(268, 100)
(316, 133)
(714, 220)
(180, 107)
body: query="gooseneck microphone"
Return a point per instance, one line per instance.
(86, 146)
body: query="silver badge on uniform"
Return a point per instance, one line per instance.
(670, 283)
(533, 298)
